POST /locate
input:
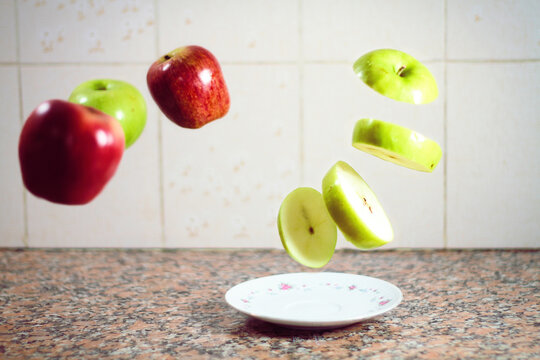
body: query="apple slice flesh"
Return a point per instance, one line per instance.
(307, 231)
(355, 208)
(396, 144)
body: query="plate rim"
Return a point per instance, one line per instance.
(309, 324)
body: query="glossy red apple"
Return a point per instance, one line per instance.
(188, 86)
(69, 152)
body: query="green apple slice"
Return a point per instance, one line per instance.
(307, 231)
(355, 208)
(397, 75)
(396, 144)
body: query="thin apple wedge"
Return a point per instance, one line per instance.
(355, 208)
(396, 144)
(307, 231)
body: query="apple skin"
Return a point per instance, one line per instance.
(396, 144)
(397, 75)
(188, 86)
(117, 98)
(68, 152)
(355, 208)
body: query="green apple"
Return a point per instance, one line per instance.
(396, 144)
(118, 99)
(397, 75)
(355, 208)
(307, 231)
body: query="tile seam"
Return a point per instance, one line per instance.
(163, 238)
(445, 130)
(266, 63)
(25, 238)
(300, 63)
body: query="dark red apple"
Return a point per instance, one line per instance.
(68, 152)
(188, 86)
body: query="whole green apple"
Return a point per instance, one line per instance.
(118, 99)
(397, 75)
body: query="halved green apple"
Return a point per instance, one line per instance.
(355, 208)
(397, 75)
(307, 231)
(396, 144)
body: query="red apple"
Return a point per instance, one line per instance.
(68, 152)
(188, 86)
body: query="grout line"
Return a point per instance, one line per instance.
(300, 64)
(350, 62)
(259, 62)
(489, 61)
(445, 130)
(160, 141)
(21, 119)
(75, 63)
(265, 63)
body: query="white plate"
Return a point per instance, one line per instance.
(314, 300)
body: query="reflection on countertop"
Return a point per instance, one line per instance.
(170, 304)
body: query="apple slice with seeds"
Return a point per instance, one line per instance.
(307, 231)
(396, 144)
(355, 208)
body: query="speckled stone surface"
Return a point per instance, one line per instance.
(143, 304)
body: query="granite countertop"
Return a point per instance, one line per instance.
(154, 304)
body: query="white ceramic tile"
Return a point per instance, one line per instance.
(126, 213)
(334, 99)
(487, 29)
(240, 30)
(11, 188)
(224, 182)
(343, 30)
(493, 168)
(8, 42)
(87, 31)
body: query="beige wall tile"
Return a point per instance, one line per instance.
(8, 40)
(87, 31)
(486, 29)
(235, 31)
(225, 181)
(493, 168)
(343, 30)
(11, 186)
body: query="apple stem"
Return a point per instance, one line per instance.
(400, 70)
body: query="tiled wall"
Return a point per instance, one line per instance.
(295, 99)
